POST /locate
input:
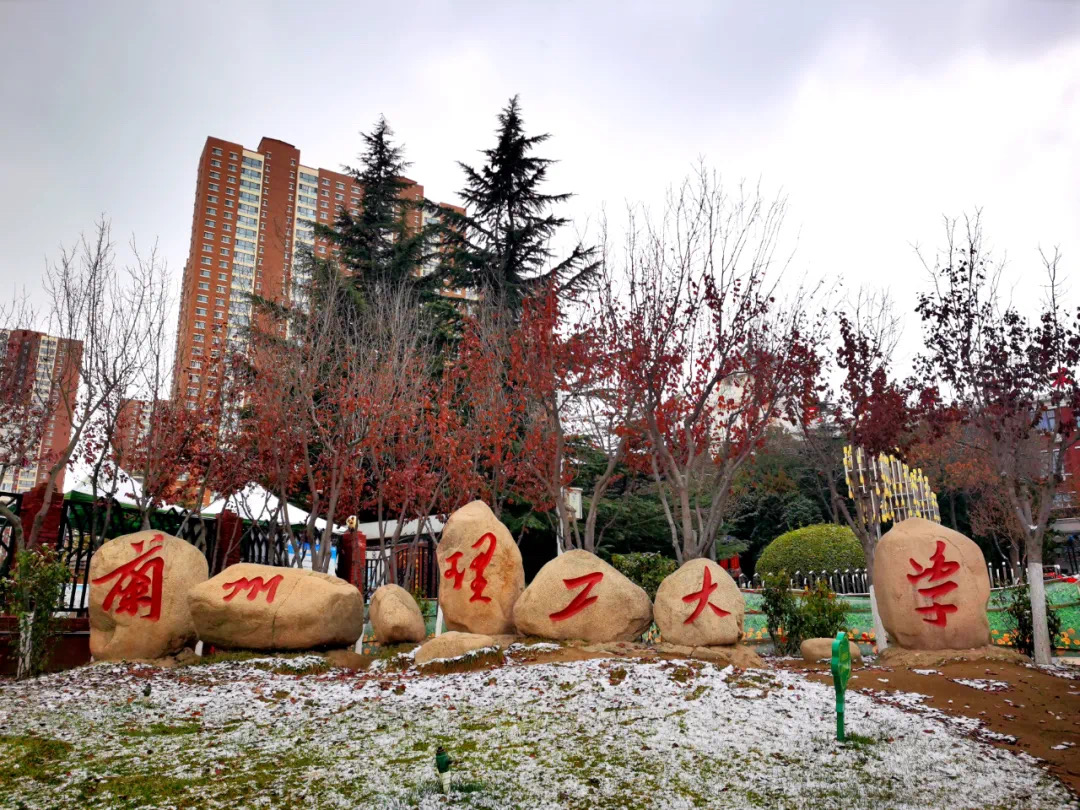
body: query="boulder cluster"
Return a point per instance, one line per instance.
(150, 596)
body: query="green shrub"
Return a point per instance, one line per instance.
(792, 618)
(644, 568)
(824, 547)
(33, 592)
(1021, 634)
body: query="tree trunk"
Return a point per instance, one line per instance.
(26, 644)
(1040, 633)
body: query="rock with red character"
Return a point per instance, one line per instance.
(579, 596)
(263, 607)
(932, 587)
(480, 572)
(138, 596)
(699, 605)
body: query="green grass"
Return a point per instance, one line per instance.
(25, 756)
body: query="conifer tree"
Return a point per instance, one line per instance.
(501, 245)
(376, 246)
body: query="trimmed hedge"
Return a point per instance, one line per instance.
(824, 547)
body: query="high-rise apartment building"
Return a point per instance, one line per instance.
(253, 210)
(40, 380)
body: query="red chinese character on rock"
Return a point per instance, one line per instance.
(702, 598)
(452, 572)
(581, 599)
(138, 583)
(479, 563)
(939, 569)
(254, 587)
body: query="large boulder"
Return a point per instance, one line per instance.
(699, 605)
(932, 587)
(138, 596)
(481, 572)
(452, 645)
(578, 595)
(814, 649)
(262, 607)
(395, 616)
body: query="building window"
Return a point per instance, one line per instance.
(200, 311)
(205, 274)
(224, 251)
(207, 235)
(219, 302)
(324, 192)
(339, 197)
(217, 151)
(206, 260)
(203, 285)
(216, 164)
(211, 198)
(202, 299)
(211, 212)
(233, 156)
(223, 265)
(218, 314)
(225, 226)
(227, 214)
(200, 324)
(220, 290)
(230, 191)
(231, 179)
(215, 175)
(226, 239)
(213, 187)
(208, 248)
(222, 276)
(325, 182)
(228, 203)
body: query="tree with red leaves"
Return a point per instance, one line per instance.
(710, 354)
(1011, 379)
(868, 409)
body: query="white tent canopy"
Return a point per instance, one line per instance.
(79, 477)
(410, 529)
(258, 504)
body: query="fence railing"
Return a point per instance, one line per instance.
(854, 581)
(424, 574)
(13, 502)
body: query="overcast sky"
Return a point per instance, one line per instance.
(875, 121)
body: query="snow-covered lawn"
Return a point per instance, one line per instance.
(600, 733)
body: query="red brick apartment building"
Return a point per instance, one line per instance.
(40, 372)
(253, 210)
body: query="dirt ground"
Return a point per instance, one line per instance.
(1040, 710)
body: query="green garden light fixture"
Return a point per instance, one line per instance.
(442, 765)
(841, 671)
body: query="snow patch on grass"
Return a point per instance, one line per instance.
(565, 735)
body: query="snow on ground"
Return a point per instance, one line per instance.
(588, 734)
(983, 684)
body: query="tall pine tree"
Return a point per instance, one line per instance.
(501, 245)
(376, 246)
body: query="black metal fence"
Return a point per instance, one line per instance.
(421, 577)
(7, 538)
